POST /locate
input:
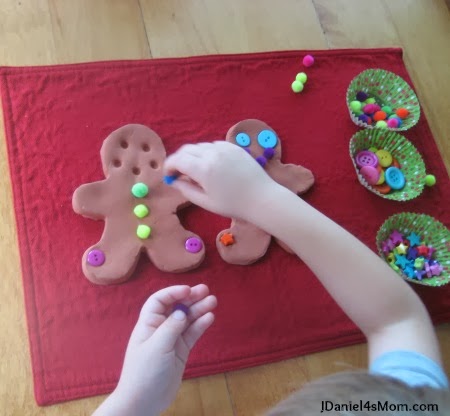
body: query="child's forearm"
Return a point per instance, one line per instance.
(117, 405)
(365, 287)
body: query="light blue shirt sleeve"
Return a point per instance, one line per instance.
(412, 368)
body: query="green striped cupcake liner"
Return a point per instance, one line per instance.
(431, 231)
(403, 150)
(388, 89)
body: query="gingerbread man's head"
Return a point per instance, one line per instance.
(133, 150)
(257, 138)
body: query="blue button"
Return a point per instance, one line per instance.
(243, 139)
(394, 178)
(267, 139)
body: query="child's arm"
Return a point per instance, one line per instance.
(225, 179)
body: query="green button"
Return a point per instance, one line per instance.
(143, 231)
(139, 190)
(140, 211)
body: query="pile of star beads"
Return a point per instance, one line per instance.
(411, 255)
(380, 170)
(368, 111)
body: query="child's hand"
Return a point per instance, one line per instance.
(159, 348)
(221, 177)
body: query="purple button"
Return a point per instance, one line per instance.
(366, 158)
(370, 174)
(193, 245)
(96, 258)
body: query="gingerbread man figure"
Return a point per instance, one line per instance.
(139, 210)
(243, 243)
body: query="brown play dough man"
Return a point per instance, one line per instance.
(243, 243)
(139, 210)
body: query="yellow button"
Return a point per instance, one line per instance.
(381, 180)
(384, 158)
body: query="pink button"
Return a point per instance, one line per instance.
(366, 158)
(95, 258)
(370, 174)
(193, 245)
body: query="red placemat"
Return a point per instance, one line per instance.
(56, 119)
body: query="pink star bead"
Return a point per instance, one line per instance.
(396, 237)
(387, 246)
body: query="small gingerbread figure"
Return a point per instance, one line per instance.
(243, 243)
(139, 210)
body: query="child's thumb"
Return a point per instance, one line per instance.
(166, 336)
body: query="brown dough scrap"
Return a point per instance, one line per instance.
(134, 154)
(249, 242)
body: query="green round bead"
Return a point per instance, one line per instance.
(381, 124)
(356, 106)
(143, 231)
(301, 76)
(297, 86)
(370, 100)
(430, 180)
(140, 211)
(387, 109)
(139, 190)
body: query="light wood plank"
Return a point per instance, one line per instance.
(356, 24)
(84, 30)
(255, 390)
(342, 359)
(202, 396)
(196, 27)
(26, 33)
(424, 32)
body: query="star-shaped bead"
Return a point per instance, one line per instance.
(387, 246)
(401, 261)
(422, 250)
(227, 239)
(436, 269)
(414, 239)
(412, 253)
(431, 251)
(401, 249)
(396, 237)
(419, 274)
(409, 271)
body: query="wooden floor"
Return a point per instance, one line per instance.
(34, 32)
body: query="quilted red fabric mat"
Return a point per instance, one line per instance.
(56, 118)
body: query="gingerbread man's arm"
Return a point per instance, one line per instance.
(293, 177)
(90, 200)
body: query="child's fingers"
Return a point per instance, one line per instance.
(197, 329)
(164, 298)
(168, 333)
(184, 163)
(202, 307)
(192, 192)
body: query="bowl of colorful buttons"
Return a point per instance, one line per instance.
(389, 165)
(381, 99)
(417, 247)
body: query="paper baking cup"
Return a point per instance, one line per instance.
(411, 163)
(431, 231)
(388, 89)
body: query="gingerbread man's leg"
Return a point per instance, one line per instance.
(172, 248)
(242, 243)
(114, 258)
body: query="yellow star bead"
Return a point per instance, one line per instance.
(401, 248)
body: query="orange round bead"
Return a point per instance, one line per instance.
(402, 112)
(379, 115)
